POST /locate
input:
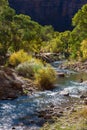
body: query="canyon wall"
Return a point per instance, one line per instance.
(57, 13)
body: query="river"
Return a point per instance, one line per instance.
(22, 113)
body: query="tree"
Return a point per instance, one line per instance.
(79, 33)
(6, 16)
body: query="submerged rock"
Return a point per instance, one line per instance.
(64, 93)
(83, 96)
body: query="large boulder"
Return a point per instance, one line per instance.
(10, 85)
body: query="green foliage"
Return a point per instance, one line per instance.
(21, 32)
(18, 57)
(6, 16)
(79, 33)
(60, 43)
(80, 18)
(3, 2)
(46, 33)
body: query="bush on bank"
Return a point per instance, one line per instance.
(43, 76)
(29, 68)
(19, 57)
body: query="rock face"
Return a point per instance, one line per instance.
(52, 12)
(10, 86)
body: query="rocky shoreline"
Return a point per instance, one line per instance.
(13, 85)
(62, 110)
(69, 114)
(72, 119)
(55, 114)
(76, 66)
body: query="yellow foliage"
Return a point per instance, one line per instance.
(84, 49)
(19, 57)
(45, 78)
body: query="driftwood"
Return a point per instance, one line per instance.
(48, 57)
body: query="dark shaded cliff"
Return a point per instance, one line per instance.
(57, 13)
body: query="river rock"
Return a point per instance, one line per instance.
(60, 74)
(47, 116)
(83, 93)
(72, 110)
(51, 106)
(59, 114)
(41, 113)
(64, 93)
(83, 96)
(85, 101)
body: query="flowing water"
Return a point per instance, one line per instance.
(22, 112)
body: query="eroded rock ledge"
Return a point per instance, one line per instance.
(11, 85)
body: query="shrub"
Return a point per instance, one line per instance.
(25, 69)
(36, 64)
(45, 78)
(29, 68)
(19, 57)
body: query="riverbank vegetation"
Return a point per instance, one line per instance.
(21, 39)
(35, 69)
(42, 73)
